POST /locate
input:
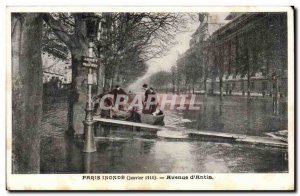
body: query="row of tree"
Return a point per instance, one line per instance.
(190, 67)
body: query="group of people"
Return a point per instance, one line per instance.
(124, 110)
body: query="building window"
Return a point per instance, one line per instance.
(242, 85)
(233, 85)
(264, 85)
(252, 85)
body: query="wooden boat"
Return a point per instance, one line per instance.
(139, 117)
(151, 119)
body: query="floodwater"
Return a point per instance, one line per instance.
(124, 150)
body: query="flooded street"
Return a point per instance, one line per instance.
(150, 98)
(235, 114)
(122, 150)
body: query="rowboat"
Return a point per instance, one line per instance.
(151, 119)
(139, 117)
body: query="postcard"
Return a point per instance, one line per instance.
(150, 98)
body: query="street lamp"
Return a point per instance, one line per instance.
(92, 25)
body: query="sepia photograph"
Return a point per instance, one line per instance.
(150, 98)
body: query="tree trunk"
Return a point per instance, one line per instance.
(27, 89)
(275, 96)
(248, 72)
(212, 86)
(106, 81)
(193, 88)
(173, 87)
(111, 84)
(78, 95)
(101, 79)
(248, 85)
(205, 86)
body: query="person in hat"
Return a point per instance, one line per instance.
(149, 91)
(117, 91)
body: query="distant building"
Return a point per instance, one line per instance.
(209, 23)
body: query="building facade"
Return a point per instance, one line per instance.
(55, 68)
(249, 54)
(244, 53)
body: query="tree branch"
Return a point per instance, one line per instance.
(58, 28)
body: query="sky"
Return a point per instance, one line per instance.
(165, 63)
(183, 39)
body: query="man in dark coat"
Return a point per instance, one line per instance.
(117, 91)
(149, 91)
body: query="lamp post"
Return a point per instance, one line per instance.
(92, 24)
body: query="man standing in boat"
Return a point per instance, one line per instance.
(147, 92)
(150, 100)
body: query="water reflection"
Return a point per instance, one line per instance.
(88, 163)
(146, 147)
(163, 156)
(174, 157)
(252, 116)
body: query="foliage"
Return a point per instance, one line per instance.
(160, 80)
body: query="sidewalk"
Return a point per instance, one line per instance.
(252, 94)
